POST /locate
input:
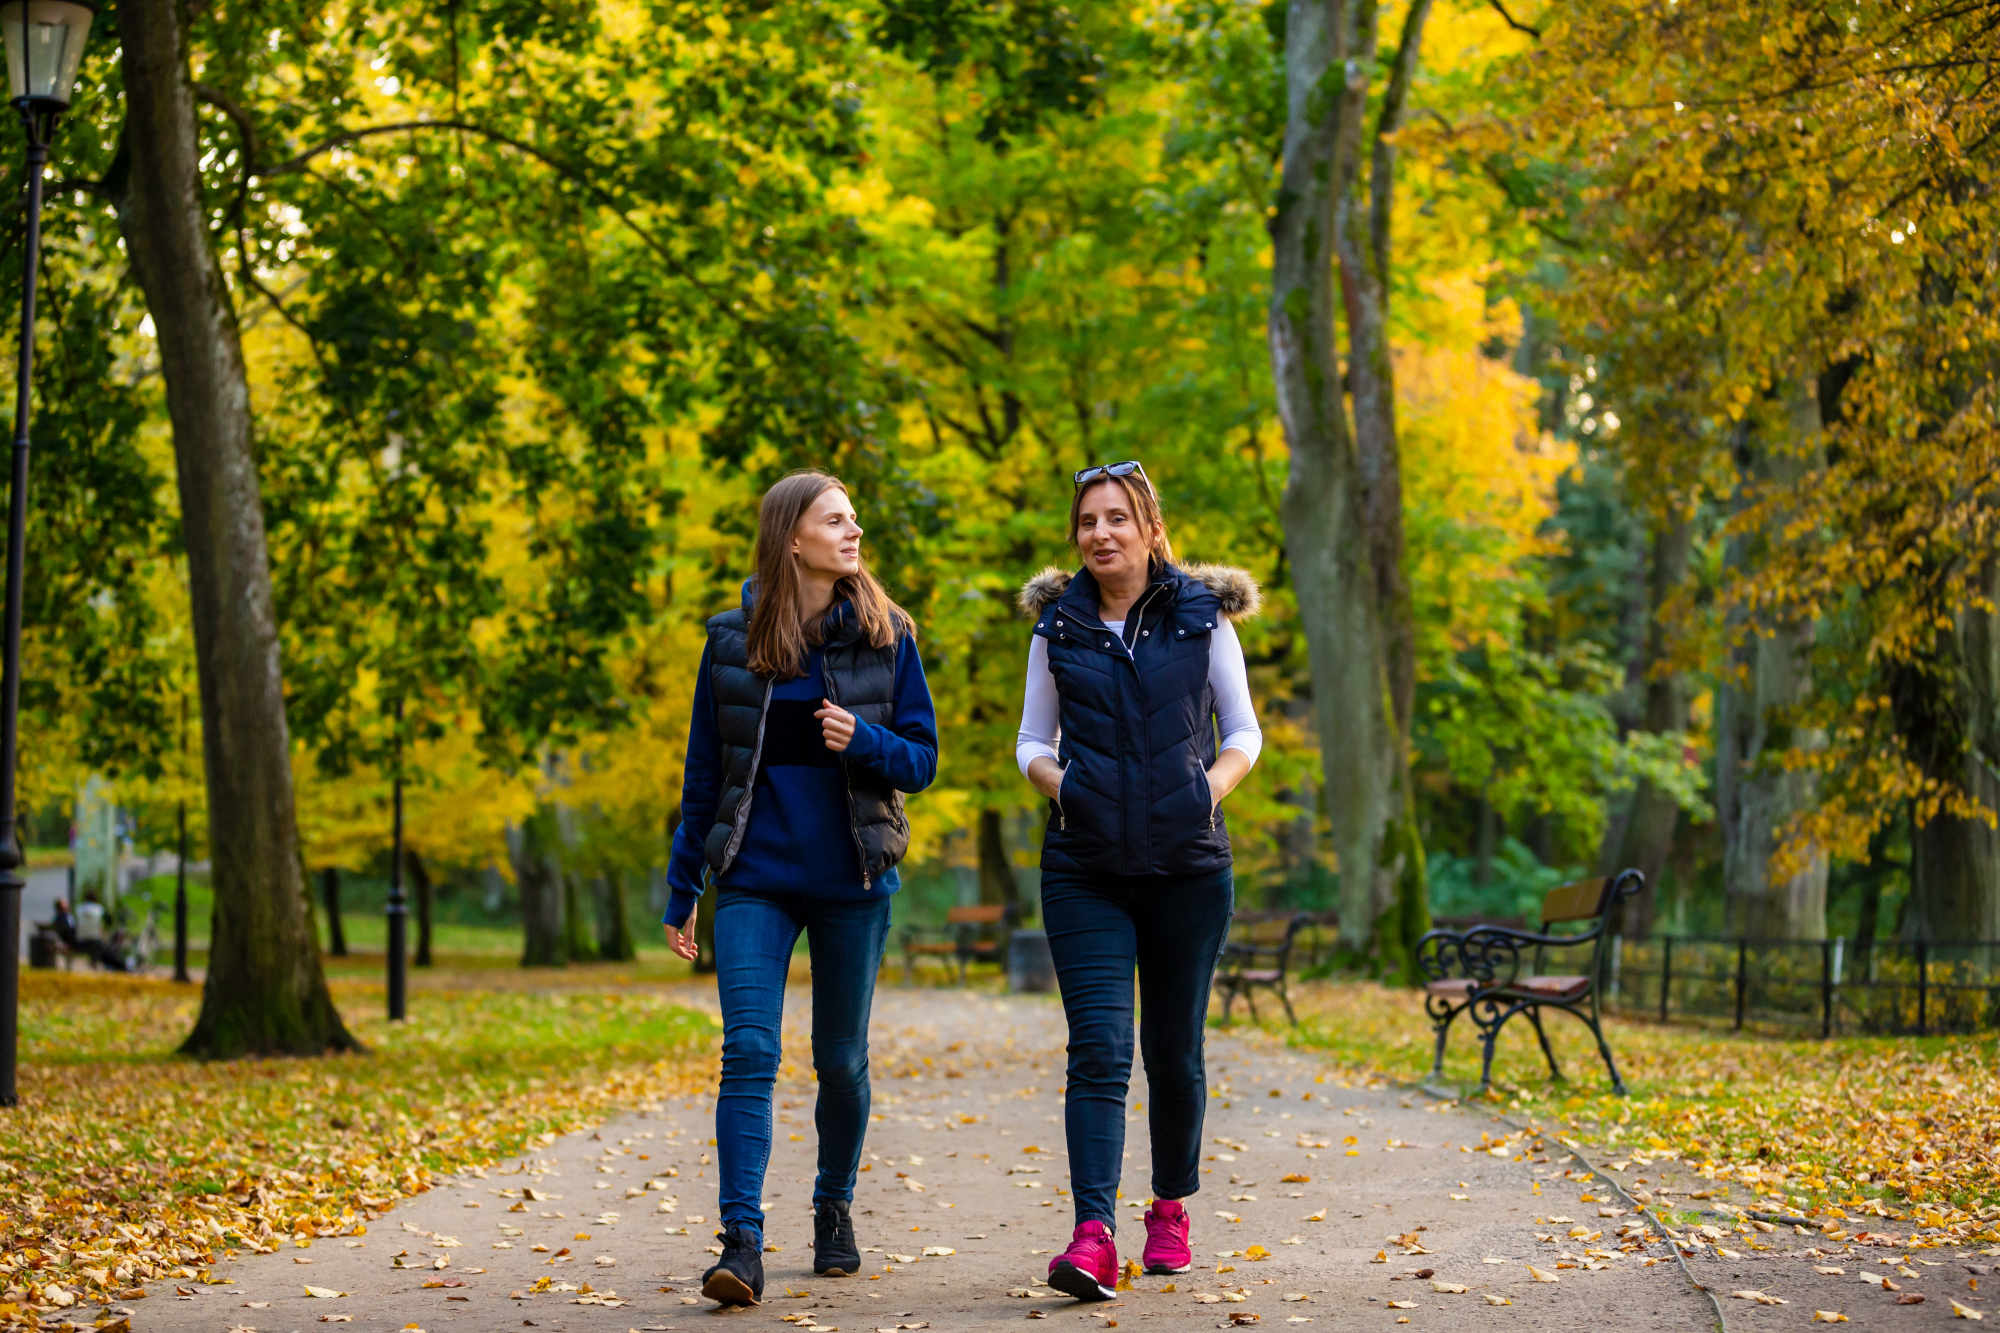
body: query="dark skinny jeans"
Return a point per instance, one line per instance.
(1171, 928)
(754, 935)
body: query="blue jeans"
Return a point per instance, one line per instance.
(754, 936)
(1172, 929)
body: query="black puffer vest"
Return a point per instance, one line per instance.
(860, 678)
(1138, 726)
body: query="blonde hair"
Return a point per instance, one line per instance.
(779, 636)
(1145, 508)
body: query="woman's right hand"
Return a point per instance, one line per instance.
(682, 941)
(1047, 777)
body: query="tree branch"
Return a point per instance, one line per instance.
(604, 197)
(1512, 22)
(246, 130)
(1382, 170)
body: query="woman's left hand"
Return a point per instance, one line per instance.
(1229, 769)
(836, 724)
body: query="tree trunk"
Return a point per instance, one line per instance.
(329, 888)
(996, 870)
(535, 870)
(1755, 724)
(614, 927)
(265, 991)
(1954, 861)
(1341, 512)
(420, 879)
(1486, 838)
(579, 940)
(1298, 836)
(1643, 835)
(704, 936)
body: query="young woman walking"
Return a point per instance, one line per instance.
(811, 719)
(1132, 671)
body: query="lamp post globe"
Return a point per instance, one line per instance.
(44, 41)
(44, 49)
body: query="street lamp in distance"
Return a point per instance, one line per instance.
(44, 40)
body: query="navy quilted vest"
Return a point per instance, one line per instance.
(1138, 732)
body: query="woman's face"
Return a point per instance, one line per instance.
(1109, 535)
(828, 539)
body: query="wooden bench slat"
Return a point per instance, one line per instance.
(1581, 901)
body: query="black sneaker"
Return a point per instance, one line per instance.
(834, 1254)
(738, 1276)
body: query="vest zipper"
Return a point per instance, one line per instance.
(1136, 618)
(847, 783)
(735, 843)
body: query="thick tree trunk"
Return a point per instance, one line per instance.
(1955, 862)
(1756, 724)
(265, 991)
(996, 869)
(420, 879)
(1485, 841)
(614, 926)
(1342, 513)
(1643, 835)
(704, 935)
(329, 888)
(540, 878)
(579, 940)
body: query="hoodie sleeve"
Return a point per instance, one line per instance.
(904, 753)
(701, 781)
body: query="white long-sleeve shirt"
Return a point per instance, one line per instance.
(1041, 715)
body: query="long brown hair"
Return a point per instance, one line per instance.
(779, 636)
(1145, 510)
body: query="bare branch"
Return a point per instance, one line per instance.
(1512, 22)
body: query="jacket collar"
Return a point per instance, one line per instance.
(839, 628)
(1188, 605)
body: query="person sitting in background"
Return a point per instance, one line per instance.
(62, 925)
(104, 949)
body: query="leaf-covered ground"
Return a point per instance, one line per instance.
(129, 1169)
(1855, 1135)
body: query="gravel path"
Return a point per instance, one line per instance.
(1321, 1204)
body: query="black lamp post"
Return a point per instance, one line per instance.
(44, 47)
(398, 910)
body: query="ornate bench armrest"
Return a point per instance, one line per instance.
(1440, 956)
(1493, 953)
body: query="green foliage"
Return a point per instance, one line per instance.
(1516, 882)
(1534, 734)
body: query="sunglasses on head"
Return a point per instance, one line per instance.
(1124, 469)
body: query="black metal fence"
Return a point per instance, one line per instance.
(1824, 986)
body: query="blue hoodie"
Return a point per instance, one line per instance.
(799, 840)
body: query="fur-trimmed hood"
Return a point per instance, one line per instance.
(1234, 588)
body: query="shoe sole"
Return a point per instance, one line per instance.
(1167, 1270)
(728, 1289)
(1070, 1280)
(835, 1270)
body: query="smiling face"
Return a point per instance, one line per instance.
(1114, 542)
(827, 540)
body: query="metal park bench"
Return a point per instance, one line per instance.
(1259, 954)
(976, 934)
(1481, 970)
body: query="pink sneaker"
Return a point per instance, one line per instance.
(1167, 1238)
(1088, 1269)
